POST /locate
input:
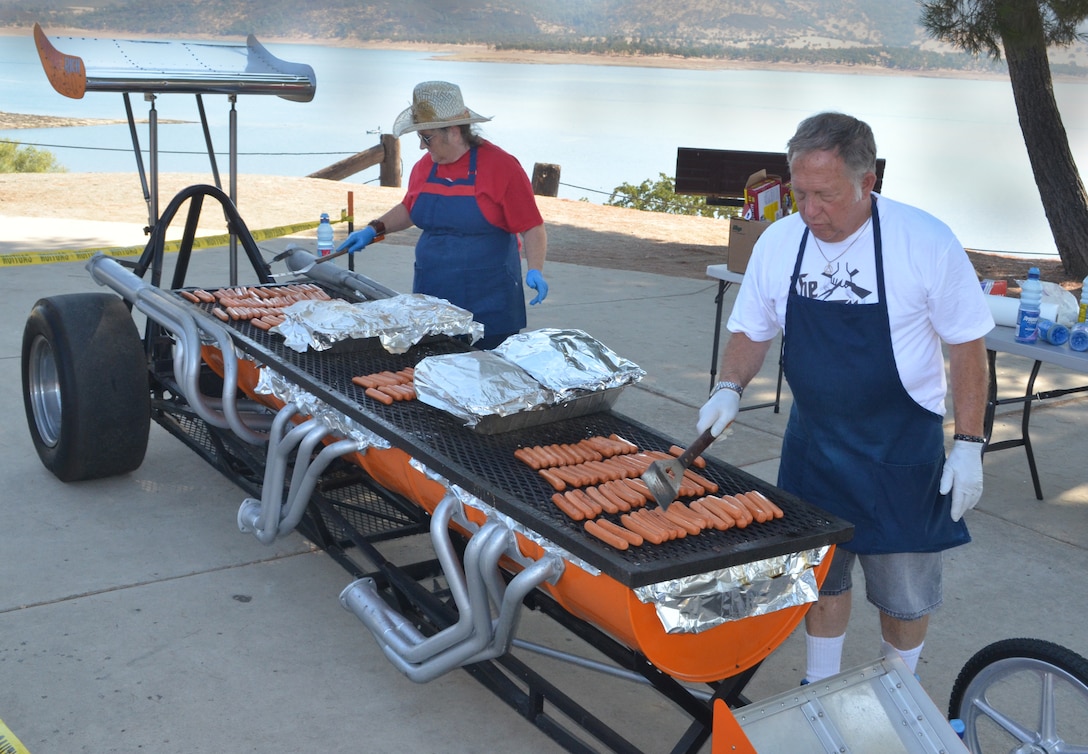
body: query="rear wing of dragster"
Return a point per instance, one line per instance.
(154, 67)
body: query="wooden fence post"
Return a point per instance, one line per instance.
(545, 179)
(390, 166)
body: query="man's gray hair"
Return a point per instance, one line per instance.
(851, 138)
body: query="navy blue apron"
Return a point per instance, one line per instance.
(466, 260)
(857, 444)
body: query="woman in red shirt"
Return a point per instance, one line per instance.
(472, 201)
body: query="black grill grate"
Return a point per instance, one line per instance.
(485, 465)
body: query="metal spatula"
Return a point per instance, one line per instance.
(664, 476)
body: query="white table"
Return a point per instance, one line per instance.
(726, 278)
(1002, 339)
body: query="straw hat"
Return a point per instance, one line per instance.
(435, 104)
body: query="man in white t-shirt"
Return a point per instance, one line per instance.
(865, 290)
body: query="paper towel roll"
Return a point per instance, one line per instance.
(1004, 310)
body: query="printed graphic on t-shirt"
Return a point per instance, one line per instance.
(840, 284)
(850, 280)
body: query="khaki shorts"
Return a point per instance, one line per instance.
(903, 585)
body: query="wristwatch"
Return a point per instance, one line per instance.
(379, 229)
(736, 387)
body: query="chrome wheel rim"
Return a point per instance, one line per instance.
(1032, 726)
(44, 391)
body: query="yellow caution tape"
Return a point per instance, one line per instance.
(24, 258)
(9, 744)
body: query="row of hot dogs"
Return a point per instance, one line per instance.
(387, 387)
(596, 460)
(262, 306)
(601, 475)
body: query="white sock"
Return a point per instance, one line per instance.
(910, 656)
(824, 656)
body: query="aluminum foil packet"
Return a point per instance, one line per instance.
(698, 603)
(399, 322)
(476, 384)
(569, 361)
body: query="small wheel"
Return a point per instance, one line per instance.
(85, 386)
(1023, 696)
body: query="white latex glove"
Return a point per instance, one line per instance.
(963, 476)
(718, 412)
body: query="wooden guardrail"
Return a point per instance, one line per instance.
(386, 154)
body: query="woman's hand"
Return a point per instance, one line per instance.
(358, 240)
(535, 280)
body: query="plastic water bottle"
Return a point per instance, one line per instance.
(324, 236)
(1052, 332)
(1031, 300)
(1078, 337)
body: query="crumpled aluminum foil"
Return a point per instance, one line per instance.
(475, 384)
(271, 383)
(697, 603)
(399, 322)
(566, 361)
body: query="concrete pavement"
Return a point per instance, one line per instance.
(135, 617)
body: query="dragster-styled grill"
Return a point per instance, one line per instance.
(485, 466)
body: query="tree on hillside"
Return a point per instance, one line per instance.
(1024, 29)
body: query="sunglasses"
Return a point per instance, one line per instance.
(427, 139)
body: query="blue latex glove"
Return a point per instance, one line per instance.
(963, 476)
(535, 280)
(358, 240)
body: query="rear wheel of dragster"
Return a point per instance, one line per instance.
(1023, 696)
(85, 386)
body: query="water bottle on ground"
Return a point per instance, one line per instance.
(324, 236)
(1031, 300)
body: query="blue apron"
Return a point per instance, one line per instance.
(857, 444)
(466, 260)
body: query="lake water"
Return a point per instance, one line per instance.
(953, 146)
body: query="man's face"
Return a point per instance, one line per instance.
(831, 203)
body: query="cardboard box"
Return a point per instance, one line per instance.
(764, 199)
(764, 202)
(742, 237)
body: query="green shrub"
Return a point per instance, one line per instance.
(661, 196)
(16, 159)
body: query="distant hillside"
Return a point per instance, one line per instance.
(851, 32)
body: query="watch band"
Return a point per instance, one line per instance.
(736, 387)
